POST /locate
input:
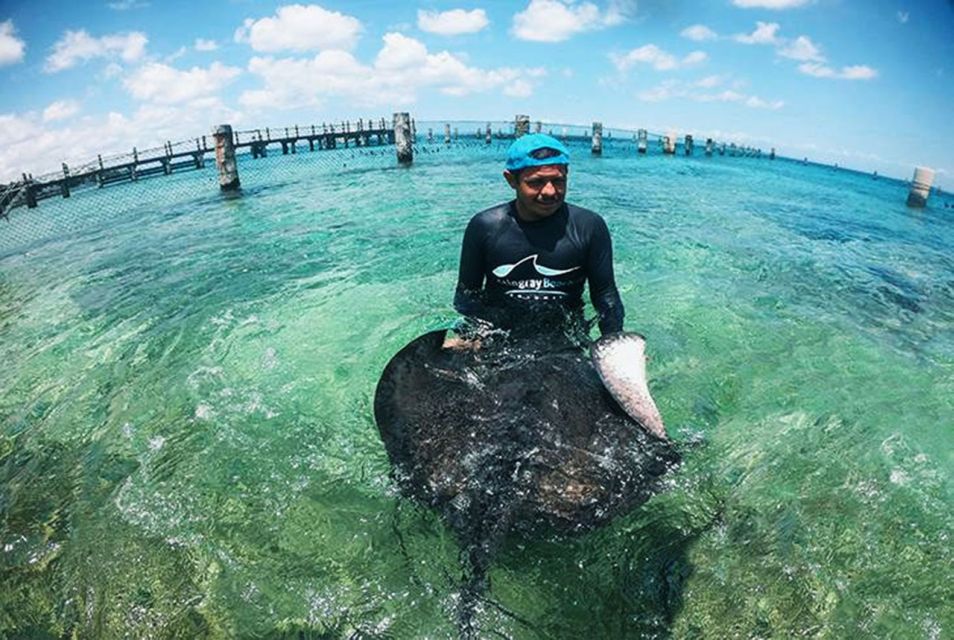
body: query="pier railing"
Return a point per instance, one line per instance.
(189, 154)
(250, 160)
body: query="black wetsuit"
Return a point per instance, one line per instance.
(510, 268)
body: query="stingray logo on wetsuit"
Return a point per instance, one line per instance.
(534, 288)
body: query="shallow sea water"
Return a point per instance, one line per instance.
(188, 448)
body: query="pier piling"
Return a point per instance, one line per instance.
(225, 158)
(920, 187)
(597, 145)
(65, 185)
(689, 144)
(641, 140)
(669, 144)
(29, 192)
(403, 138)
(521, 126)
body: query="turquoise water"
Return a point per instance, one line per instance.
(188, 447)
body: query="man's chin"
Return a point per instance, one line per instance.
(547, 209)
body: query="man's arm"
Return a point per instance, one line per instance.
(470, 274)
(599, 269)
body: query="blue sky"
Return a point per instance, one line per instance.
(867, 84)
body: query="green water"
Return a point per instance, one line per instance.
(188, 451)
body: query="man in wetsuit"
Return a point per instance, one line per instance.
(526, 259)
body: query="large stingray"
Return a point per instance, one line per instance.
(519, 436)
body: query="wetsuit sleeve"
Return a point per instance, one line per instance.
(470, 276)
(599, 269)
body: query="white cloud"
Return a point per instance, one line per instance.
(400, 52)
(903, 17)
(652, 55)
(855, 72)
(453, 22)
(802, 49)
(125, 5)
(769, 4)
(665, 91)
(79, 46)
(112, 70)
(676, 89)
(160, 83)
(764, 34)
(11, 47)
(858, 72)
(175, 55)
(696, 57)
(402, 67)
(756, 102)
(60, 110)
(201, 44)
(699, 33)
(805, 51)
(300, 28)
(28, 144)
(709, 82)
(518, 89)
(558, 20)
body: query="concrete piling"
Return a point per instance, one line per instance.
(488, 135)
(597, 145)
(29, 192)
(403, 138)
(65, 185)
(688, 144)
(669, 144)
(709, 144)
(447, 134)
(521, 126)
(225, 158)
(920, 187)
(430, 135)
(641, 140)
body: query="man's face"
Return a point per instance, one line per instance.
(540, 190)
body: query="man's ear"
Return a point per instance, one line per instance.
(512, 179)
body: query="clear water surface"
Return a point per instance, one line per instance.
(188, 448)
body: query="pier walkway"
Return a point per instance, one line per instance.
(190, 155)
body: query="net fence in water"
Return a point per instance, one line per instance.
(56, 205)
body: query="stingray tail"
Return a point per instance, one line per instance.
(489, 531)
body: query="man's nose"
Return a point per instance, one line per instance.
(548, 190)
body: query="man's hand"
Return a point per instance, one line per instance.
(460, 344)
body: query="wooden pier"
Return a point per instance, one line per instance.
(224, 146)
(192, 155)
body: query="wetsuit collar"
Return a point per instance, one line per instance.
(561, 212)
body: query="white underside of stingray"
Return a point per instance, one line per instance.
(620, 360)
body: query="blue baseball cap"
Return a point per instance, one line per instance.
(536, 150)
